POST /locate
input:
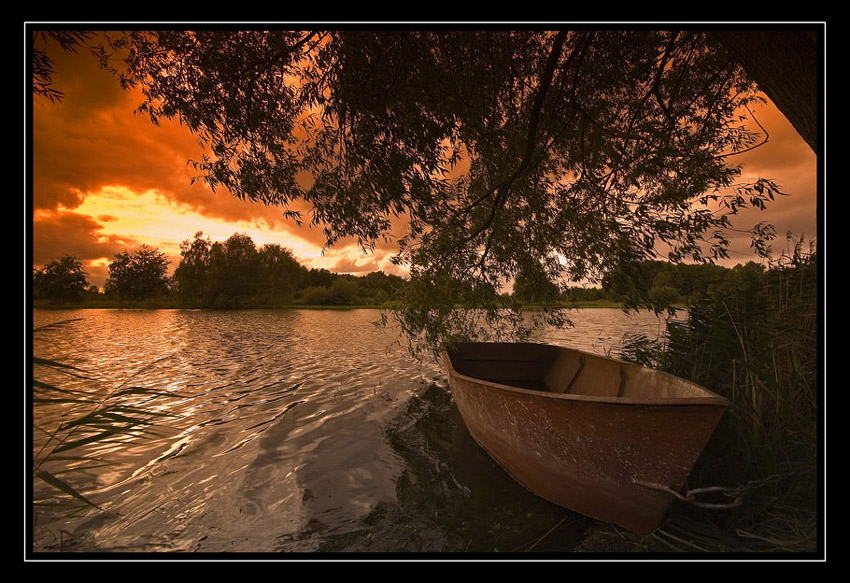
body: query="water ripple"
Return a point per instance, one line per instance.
(277, 423)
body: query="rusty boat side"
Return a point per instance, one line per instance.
(584, 431)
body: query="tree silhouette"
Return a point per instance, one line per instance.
(42, 65)
(582, 149)
(531, 286)
(61, 280)
(280, 274)
(191, 273)
(138, 275)
(233, 276)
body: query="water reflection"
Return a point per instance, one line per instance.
(292, 431)
(449, 497)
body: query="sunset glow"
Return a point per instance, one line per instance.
(107, 180)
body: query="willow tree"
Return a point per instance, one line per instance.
(481, 154)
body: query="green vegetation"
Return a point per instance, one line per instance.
(217, 275)
(62, 280)
(236, 274)
(753, 337)
(137, 276)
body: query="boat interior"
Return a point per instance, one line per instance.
(562, 370)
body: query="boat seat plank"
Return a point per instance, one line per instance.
(624, 379)
(547, 368)
(572, 374)
(564, 371)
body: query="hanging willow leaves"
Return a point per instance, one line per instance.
(477, 152)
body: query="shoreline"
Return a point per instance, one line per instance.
(40, 305)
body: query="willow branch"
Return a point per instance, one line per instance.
(503, 187)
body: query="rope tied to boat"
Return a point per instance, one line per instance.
(737, 492)
(690, 495)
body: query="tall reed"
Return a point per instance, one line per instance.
(754, 338)
(74, 413)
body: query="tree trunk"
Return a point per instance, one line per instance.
(785, 65)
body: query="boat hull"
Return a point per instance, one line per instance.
(586, 452)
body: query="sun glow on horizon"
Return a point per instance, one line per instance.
(122, 219)
(125, 182)
(151, 218)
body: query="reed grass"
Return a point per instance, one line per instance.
(64, 448)
(755, 340)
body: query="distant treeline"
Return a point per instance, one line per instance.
(237, 274)
(655, 284)
(231, 274)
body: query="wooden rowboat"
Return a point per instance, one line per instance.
(608, 439)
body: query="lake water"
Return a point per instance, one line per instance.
(289, 431)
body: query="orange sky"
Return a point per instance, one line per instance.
(105, 180)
